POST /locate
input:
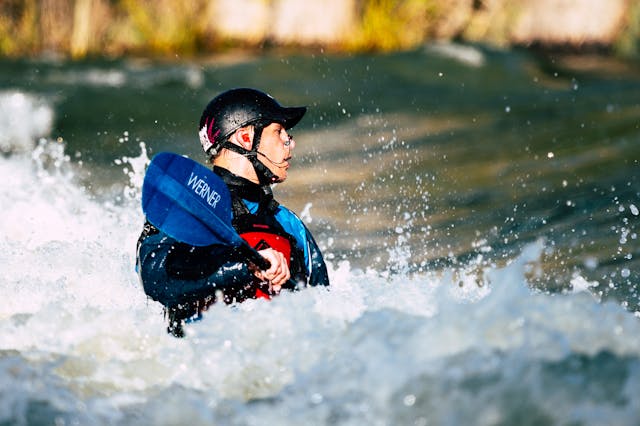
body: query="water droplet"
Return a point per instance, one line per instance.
(409, 400)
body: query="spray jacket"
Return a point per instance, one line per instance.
(187, 279)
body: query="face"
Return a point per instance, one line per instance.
(275, 149)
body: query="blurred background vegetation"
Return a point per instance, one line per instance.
(112, 28)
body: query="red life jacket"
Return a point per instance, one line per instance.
(262, 236)
(262, 230)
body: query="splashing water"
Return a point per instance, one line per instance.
(23, 118)
(80, 343)
(470, 340)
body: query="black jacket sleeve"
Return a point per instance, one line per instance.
(175, 273)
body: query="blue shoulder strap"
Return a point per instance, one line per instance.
(292, 224)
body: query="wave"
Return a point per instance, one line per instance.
(24, 117)
(79, 341)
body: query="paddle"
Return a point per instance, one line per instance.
(190, 203)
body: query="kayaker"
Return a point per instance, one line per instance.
(244, 133)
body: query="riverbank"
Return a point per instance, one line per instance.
(173, 28)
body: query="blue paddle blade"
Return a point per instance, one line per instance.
(188, 202)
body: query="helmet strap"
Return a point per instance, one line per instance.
(265, 176)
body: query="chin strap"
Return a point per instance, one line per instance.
(265, 176)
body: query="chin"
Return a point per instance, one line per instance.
(281, 174)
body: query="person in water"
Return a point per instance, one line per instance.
(244, 132)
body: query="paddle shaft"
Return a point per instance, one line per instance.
(252, 255)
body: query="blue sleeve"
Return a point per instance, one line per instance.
(314, 262)
(174, 273)
(319, 274)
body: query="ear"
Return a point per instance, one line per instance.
(244, 137)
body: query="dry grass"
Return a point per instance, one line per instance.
(79, 28)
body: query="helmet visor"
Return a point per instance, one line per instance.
(288, 117)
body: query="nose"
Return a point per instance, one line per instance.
(290, 142)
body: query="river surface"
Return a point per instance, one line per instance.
(478, 209)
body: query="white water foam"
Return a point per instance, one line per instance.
(23, 118)
(79, 341)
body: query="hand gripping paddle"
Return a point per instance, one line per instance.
(190, 203)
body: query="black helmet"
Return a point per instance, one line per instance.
(241, 107)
